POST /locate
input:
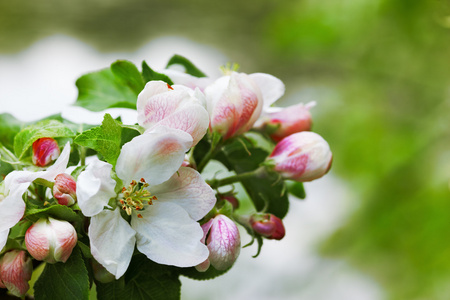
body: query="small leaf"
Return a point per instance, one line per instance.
(148, 74)
(9, 127)
(187, 64)
(105, 139)
(68, 281)
(60, 212)
(127, 73)
(47, 128)
(100, 90)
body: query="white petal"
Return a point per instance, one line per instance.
(188, 80)
(154, 155)
(271, 87)
(187, 189)
(3, 238)
(112, 241)
(95, 187)
(167, 235)
(12, 206)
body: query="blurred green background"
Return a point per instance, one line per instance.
(380, 72)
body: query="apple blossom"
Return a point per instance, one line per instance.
(268, 226)
(15, 272)
(235, 101)
(221, 235)
(64, 189)
(281, 122)
(163, 200)
(45, 150)
(51, 240)
(302, 156)
(160, 104)
(16, 183)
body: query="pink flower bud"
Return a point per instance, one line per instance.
(15, 272)
(45, 150)
(286, 121)
(234, 103)
(268, 226)
(65, 189)
(224, 243)
(51, 240)
(302, 156)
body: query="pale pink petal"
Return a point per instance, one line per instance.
(3, 238)
(189, 190)
(167, 235)
(95, 187)
(112, 241)
(271, 87)
(12, 206)
(155, 155)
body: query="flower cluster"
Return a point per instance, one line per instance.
(95, 201)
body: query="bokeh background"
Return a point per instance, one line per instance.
(378, 226)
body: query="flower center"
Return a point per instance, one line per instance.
(135, 197)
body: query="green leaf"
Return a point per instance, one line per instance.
(46, 128)
(68, 281)
(105, 139)
(100, 90)
(144, 280)
(9, 127)
(60, 212)
(296, 189)
(148, 74)
(266, 190)
(128, 74)
(187, 64)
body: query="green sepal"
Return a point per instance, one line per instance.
(211, 273)
(57, 211)
(189, 67)
(149, 75)
(68, 281)
(296, 189)
(46, 128)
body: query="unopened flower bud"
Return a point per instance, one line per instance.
(234, 102)
(45, 150)
(15, 272)
(286, 121)
(65, 189)
(302, 156)
(268, 226)
(51, 240)
(232, 199)
(223, 241)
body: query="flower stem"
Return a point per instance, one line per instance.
(216, 183)
(216, 145)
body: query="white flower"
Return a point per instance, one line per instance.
(164, 206)
(180, 107)
(16, 183)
